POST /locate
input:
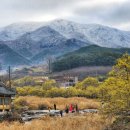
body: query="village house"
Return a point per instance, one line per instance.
(6, 95)
(66, 81)
(40, 80)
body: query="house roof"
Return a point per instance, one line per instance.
(63, 78)
(5, 90)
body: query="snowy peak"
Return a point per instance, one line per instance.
(98, 34)
(35, 41)
(106, 36)
(45, 32)
(14, 31)
(94, 33)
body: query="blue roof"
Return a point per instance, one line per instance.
(6, 90)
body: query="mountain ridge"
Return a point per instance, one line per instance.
(36, 41)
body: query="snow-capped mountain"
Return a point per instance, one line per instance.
(97, 34)
(45, 41)
(101, 35)
(35, 41)
(14, 31)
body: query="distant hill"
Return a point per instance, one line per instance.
(10, 57)
(92, 55)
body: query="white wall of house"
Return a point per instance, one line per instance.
(67, 84)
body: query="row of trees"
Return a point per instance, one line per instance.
(50, 89)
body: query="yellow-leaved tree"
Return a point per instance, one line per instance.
(115, 91)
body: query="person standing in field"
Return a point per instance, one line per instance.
(76, 107)
(61, 113)
(67, 109)
(49, 109)
(71, 108)
(54, 106)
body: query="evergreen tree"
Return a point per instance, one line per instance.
(115, 91)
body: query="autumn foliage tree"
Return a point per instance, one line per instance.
(89, 81)
(115, 91)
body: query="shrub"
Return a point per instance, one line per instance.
(42, 107)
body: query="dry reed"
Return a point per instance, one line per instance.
(83, 103)
(87, 122)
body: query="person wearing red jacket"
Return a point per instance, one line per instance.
(71, 108)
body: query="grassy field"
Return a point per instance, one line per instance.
(86, 122)
(34, 102)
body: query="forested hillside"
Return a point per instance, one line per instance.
(92, 55)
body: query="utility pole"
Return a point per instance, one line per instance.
(9, 77)
(96, 74)
(0, 66)
(0, 70)
(49, 64)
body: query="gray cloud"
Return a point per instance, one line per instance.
(111, 13)
(114, 13)
(36, 5)
(24, 10)
(119, 14)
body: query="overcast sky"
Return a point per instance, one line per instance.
(114, 13)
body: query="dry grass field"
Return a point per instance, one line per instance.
(86, 122)
(33, 102)
(90, 121)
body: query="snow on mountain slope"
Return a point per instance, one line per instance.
(106, 36)
(98, 34)
(68, 29)
(14, 31)
(35, 41)
(45, 41)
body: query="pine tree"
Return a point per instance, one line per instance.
(115, 91)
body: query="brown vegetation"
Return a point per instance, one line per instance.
(88, 122)
(34, 102)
